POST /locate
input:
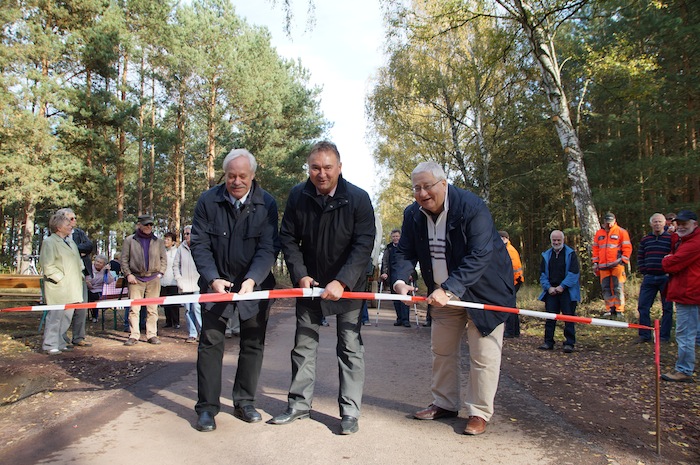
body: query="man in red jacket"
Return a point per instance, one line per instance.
(683, 267)
(612, 249)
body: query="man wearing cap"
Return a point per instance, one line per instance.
(144, 261)
(612, 249)
(683, 267)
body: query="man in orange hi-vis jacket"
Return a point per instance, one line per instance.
(611, 252)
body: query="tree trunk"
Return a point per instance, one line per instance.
(120, 165)
(27, 232)
(142, 96)
(211, 137)
(543, 49)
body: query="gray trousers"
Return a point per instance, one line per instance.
(77, 325)
(350, 354)
(56, 324)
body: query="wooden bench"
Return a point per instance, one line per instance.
(20, 288)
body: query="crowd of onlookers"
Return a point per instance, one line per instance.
(326, 235)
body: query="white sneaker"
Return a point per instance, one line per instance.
(228, 334)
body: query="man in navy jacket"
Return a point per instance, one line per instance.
(234, 244)
(451, 233)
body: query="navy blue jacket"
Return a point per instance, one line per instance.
(328, 243)
(231, 248)
(479, 267)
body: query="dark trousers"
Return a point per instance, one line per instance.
(94, 297)
(512, 326)
(172, 312)
(210, 354)
(651, 285)
(560, 303)
(350, 354)
(402, 312)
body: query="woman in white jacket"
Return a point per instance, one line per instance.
(187, 279)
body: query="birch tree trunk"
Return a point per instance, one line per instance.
(545, 55)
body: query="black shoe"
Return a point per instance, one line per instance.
(406, 324)
(428, 324)
(397, 323)
(348, 425)
(167, 325)
(568, 348)
(508, 336)
(641, 340)
(289, 416)
(247, 413)
(546, 347)
(206, 422)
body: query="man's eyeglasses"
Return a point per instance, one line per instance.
(187, 234)
(417, 189)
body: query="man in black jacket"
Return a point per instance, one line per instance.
(234, 244)
(327, 235)
(451, 233)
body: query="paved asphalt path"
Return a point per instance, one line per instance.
(153, 421)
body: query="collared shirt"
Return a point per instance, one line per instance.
(233, 200)
(437, 242)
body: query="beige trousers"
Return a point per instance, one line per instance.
(484, 368)
(138, 291)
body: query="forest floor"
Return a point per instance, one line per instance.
(606, 388)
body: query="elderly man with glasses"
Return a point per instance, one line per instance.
(450, 232)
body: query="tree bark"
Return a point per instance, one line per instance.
(543, 49)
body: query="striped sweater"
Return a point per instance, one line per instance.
(652, 249)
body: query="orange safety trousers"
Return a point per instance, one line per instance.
(611, 281)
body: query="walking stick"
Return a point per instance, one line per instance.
(379, 302)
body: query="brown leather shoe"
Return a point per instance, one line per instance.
(475, 425)
(433, 412)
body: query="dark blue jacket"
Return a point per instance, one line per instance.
(479, 267)
(235, 249)
(328, 243)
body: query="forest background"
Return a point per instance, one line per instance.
(553, 111)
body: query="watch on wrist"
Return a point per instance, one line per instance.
(449, 294)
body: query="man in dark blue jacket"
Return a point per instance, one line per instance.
(234, 244)
(327, 235)
(451, 233)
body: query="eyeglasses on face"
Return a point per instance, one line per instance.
(187, 234)
(417, 189)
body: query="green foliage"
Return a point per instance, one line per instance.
(82, 81)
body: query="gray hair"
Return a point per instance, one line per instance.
(651, 218)
(64, 211)
(235, 153)
(189, 226)
(429, 167)
(556, 231)
(57, 220)
(101, 257)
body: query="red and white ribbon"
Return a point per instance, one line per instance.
(313, 293)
